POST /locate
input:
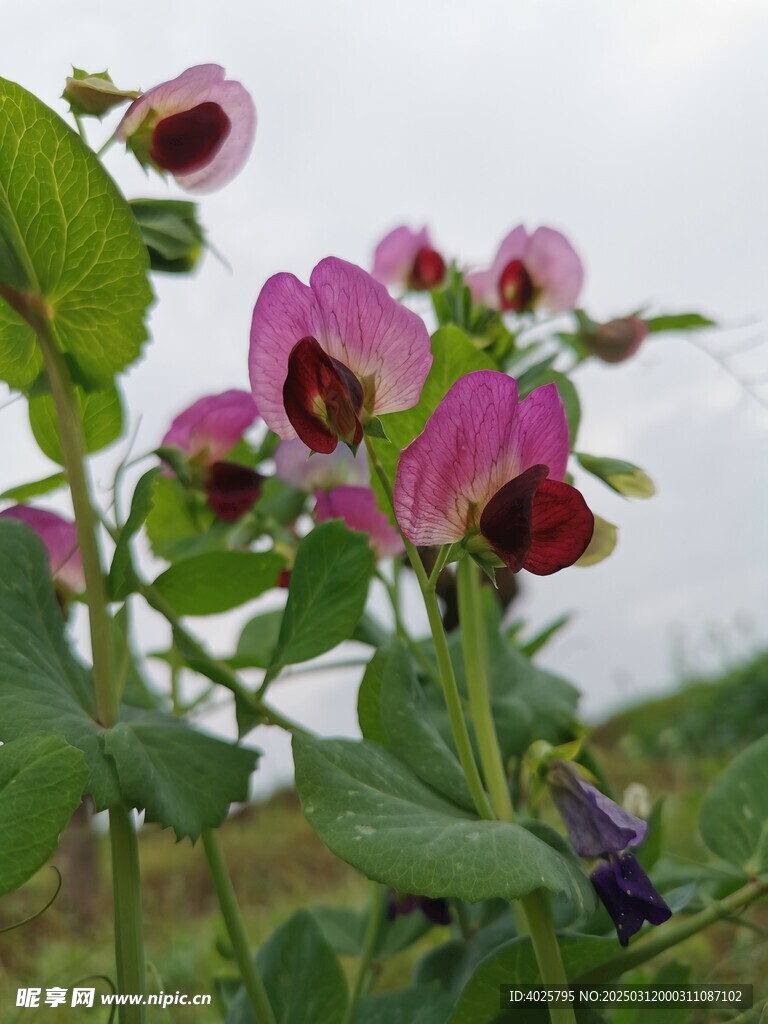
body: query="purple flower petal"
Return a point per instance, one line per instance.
(395, 254)
(299, 468)
(628, 895)
(355, 321)
(231, 490)
(204, 84)
(477, 440)
(211, 427)
(556, 269)
(60, 539)
(357, 507)
(596, 825)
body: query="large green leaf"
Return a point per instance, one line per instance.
(171, 233)
(180, 777)
(326, 596)
(218, 580)
(371, 811)
(302, 975)
(43, 688)
(734, 815)
(41, 782)
(180, 524)
(68, 244)
(102, 414)
(419, 1005)
(258, 640)
(454, 356)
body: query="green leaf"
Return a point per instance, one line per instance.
(327, 593)
(515, 963)
(541, 639)
(171, 232)
(537, 377)
(180, 777)
(43, 688)
(418, 1005)
(371, 811)
(302, 975)
(41, 782)
(369, 699)
(678, 322)
(734, 815)
(35, 489)
(280, 502)
(134, 689)
(412, 735)
(454, 356)
(649, 850)
(180, 524)
(68, 228)
(623, 477)
(345, 929)
(122, 579)
(102, 414)
(218, 580)
(258, 640)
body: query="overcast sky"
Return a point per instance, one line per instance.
(637, 129)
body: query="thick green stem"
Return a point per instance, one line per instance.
(364, 974)
(547, 951)
(667, 936)
(444, 664)
(225, 892)
(475, 648)
(129, 935)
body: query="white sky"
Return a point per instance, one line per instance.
(638, 129)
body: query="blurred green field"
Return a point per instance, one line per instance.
(674, 745)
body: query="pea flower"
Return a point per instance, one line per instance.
(206, 433)
(326, 358)
(435, 910)
(59, 536)
(628, 895)
(199, 127)
(489, 471)
(408, 259)
(596, 825)
(541, 269)
(357, 507)
(299, 468)
(616, 340)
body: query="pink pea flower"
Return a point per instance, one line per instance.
(326, 358)
(199, 127)
(542, 269)
(307, 472)
(60, 539)
(211, 427)
(357, 507)
(409, 260)
(489, 471)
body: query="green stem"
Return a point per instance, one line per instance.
(129, 936)
(403, 633)
(475, 648)
(225, 892)
(444, 664)
(364, 974)
(666, 936)
(547, 951)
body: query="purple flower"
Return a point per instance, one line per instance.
(231, 490)
(408, 259)
(326, 358)
(211, 427)
(489, 471)
(60, 539)
(541, 269)
(628, 895)
(307, 472)
(596, 825)
(436, 910)
(199, 127)
(357, 507)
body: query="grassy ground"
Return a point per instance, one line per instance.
(675, 746)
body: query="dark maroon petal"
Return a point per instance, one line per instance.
(435, 910)
(515, 287)
(506, 519)
(322, 398)
(628, 895)
(618, 339)
(231, 490)
(428, 270)
(561, 528)
(187, 141)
